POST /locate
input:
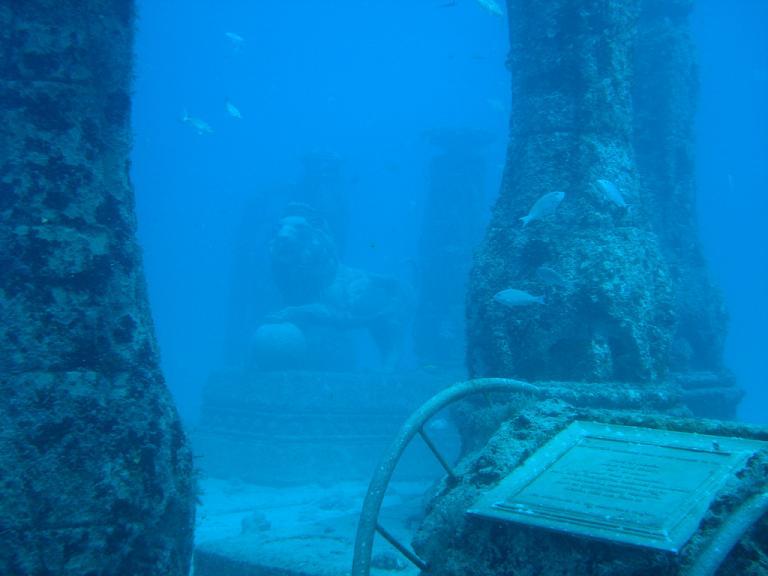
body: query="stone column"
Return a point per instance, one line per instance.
(324, 185)
(95, 470)
(572, 120)
(665, 95)
(451, 227)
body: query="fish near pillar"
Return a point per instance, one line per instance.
(570, 208)
(95, 468)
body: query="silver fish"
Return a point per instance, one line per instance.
(512, 298)
(544, 206)
(438, 425)
(233, 111)
(201, 126)
(550, 276)
(612, 193)
(236, 39)
(491, 7)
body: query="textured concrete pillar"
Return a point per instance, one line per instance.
(572, 121)
(95, 472)
(665, 95)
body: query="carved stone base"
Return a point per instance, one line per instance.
(304, 427)
(454, 542)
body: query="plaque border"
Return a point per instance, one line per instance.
(671, 538)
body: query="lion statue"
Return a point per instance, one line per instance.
(326, 300)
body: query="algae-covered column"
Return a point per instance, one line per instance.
(665, 95)
(607, 306)
(95, 471)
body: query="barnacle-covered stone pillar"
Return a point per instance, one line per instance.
(611, 317)
(665, 94)
(95, 471)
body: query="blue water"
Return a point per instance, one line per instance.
(364, 80)
(732, 149)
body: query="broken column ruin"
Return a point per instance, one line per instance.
(95, 468)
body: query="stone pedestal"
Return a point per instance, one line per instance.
(454, 542)
(312, 427)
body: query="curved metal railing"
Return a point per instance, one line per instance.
(732, 530)
(368, 524)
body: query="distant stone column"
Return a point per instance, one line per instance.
(324, 185)
(571, 124)
(451, 227)
(665, 96)
(95, 471)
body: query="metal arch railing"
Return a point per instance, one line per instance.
(707, 564)
(733, 529)
(368, 524)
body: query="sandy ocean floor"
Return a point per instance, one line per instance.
(247, 529)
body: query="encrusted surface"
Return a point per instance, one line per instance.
(456, 544)
(571, 126)
(96, 472)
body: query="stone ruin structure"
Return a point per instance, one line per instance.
(323, 184)
(95, 468)
(601, 93)
(300, 403)
(629, 335)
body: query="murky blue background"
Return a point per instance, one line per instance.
(364, 80)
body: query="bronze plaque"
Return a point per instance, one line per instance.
(625, 484)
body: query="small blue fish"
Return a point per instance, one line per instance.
(544, 206)
(200, 126)
(236, 39)
(491, 7)
(513, 298)
(611, 193)
(233, 111)
(550, 276)
(438, 425)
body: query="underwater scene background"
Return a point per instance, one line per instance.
(249, 251)
(349, 95)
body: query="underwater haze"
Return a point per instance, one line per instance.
(732, 148)
(232, 98)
